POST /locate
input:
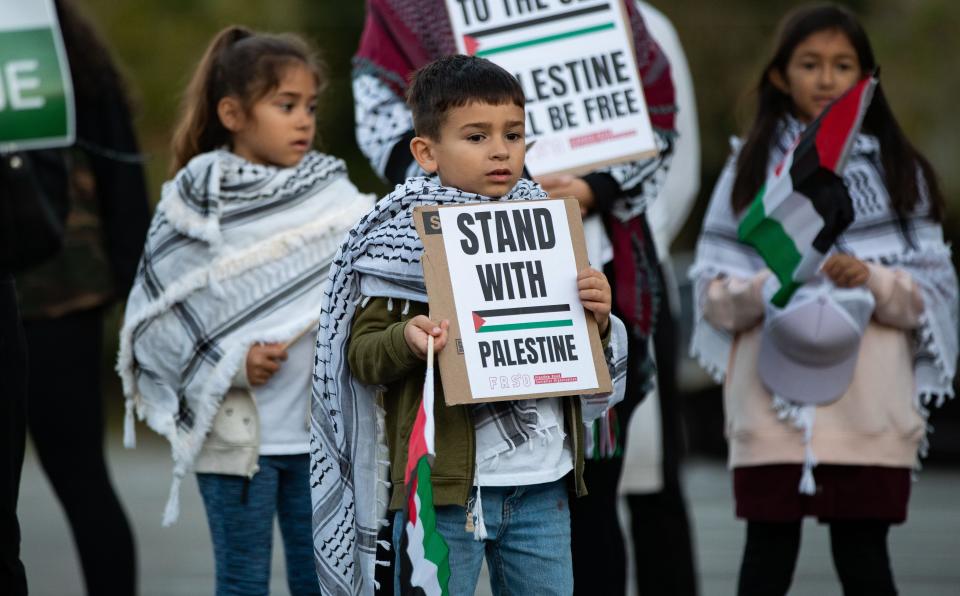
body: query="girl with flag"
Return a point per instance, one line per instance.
(888, 274)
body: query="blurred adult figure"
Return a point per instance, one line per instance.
(13, 417)
(663, 559)
(64, 302)
(31, 229)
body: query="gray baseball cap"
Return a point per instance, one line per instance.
(809, 349)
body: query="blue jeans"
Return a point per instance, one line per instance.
(241, 512)
(527, 546)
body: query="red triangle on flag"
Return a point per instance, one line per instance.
(478, 322)
(471, 44)
(840, 122)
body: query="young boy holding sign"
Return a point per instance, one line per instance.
(498, 476)
(400, 36)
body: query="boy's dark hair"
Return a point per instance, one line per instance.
(453, 82)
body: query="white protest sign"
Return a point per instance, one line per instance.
(36, 94)
(576, 64)
(514, 278)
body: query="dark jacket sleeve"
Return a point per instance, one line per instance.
(33, 207)
(105, 133)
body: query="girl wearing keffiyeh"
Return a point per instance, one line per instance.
(216, 349)
(491, 458)
(402, 35)
(867, 441)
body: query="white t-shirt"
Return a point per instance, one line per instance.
(540, 460)
(284, 401)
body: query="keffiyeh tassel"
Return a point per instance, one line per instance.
(800, 417)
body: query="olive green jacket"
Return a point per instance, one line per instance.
(379, 355)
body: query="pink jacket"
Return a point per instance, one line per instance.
(875, 422)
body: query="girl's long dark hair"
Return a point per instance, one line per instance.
(901, 161)
(238, 63)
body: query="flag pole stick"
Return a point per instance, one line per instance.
(313, 325)
(430, 352)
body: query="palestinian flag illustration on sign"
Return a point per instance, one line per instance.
(516, 36)
(804, 206)
(521, 318)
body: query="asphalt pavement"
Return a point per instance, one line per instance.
(178, 561)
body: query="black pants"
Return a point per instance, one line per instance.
(662, 538)
(66, 424)
(596, 540)
(599, 558)
(663, 552)
(12, 432)
(859, 550)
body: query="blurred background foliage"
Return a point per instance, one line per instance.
(157, 42)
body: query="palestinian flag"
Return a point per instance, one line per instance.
(803, 207)
(524, 317)
(424, 567)
(487, 41)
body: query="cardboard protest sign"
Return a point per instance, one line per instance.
(36, 94)
(504, 275)
(576, 63)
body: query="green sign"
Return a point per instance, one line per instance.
(36, 97)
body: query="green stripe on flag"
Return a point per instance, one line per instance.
(783, 295)
(773, 243)
(547, 39)
(531, 325)
(434, 546)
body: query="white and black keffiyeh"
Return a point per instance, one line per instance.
(876, 235)
(381, 257)
(237, 253)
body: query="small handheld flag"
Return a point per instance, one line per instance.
(424, 567)
(803, 206)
